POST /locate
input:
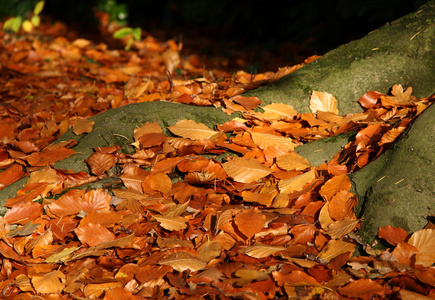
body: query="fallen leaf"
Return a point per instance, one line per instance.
(424, 240)
(264, 140)
(294, 184)
(172, 223)
(182, 261)
(189, 129)
(322, 101)
(83, 126)
(336, 247)
(245, 170)
(250, 222)
(259, 250)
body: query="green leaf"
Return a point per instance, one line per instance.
(137, 33)
(122, 32)
(13, 24)
(38, 8)
(36, 20)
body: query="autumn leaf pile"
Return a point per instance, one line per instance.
(230, 212)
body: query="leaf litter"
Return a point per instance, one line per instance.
(263, 225)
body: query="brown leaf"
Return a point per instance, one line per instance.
(370, 99)
(83, 126)
(249, 103)
(100, 162)
(334, 248)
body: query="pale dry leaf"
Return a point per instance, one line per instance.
(245, 170)
(264, 140)
(182, 261)
(334, 248)
(424, 240)
(209, 250)
(189, 129)
(292, 161)
(260, 250)
(171, 223)
(339, 229)
(322, 101)
(296, 184)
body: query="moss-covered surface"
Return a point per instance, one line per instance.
(402, 52)
(398, 188)
(116, 126)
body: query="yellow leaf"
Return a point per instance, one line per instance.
(334, 248)
(424, 240)
(172, 223)
(264, 140)
(245, 170)
(322, 101)
(296, 184)
(260, 251)
(189, 129)
(182, 261)
(292, 161)
(62, 256)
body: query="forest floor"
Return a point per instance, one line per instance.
(178, 224)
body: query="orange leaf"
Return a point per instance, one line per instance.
(292, 161)
(10, 175)
(100, 162)
(49, 283)
(342, 205)
(23, 213)
(393, 235)
(264, 140)
(182, 261)
(83, 126)
(250, 222)
(245, 170)
(303, 233)
(152, 139)
(404, 253)
(369, 99)
(191, 130)
(334, 185)
(172, 223)
(49, 157)
(94, 234)
(160, 182)
(260, 250)
(295, 278)
(297, 183)
(362, 289)
(133, 176)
